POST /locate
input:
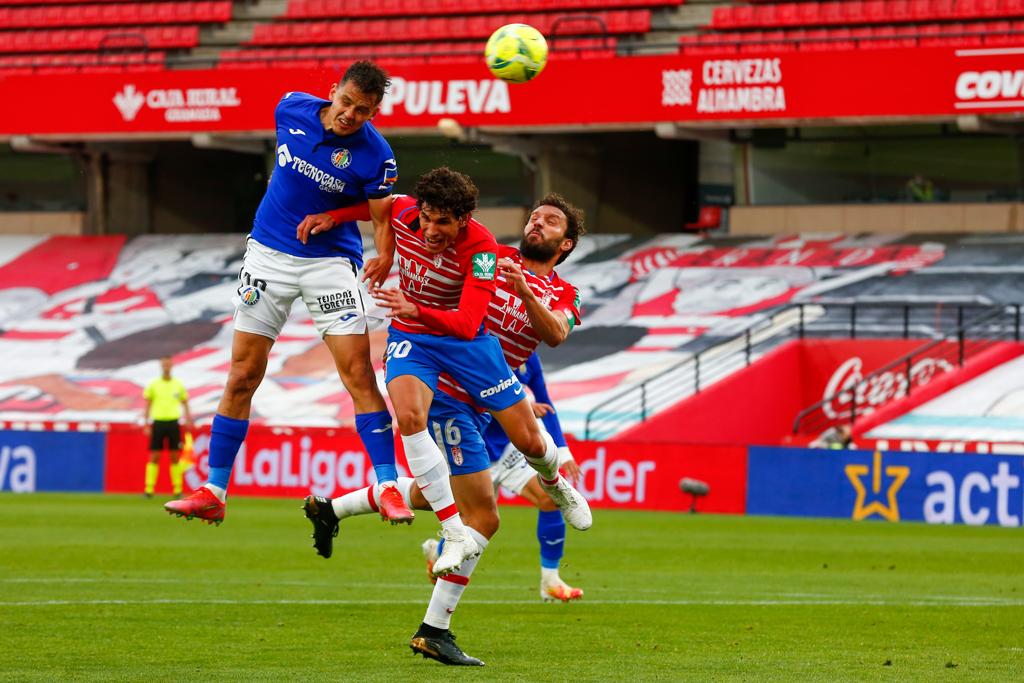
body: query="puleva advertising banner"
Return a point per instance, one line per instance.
(888, 486)
(51, 461)
(768, 86)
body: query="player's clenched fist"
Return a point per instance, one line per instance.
(514, 274)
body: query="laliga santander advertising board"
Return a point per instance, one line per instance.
(674, 88)
(291, 462)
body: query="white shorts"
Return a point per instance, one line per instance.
(270, 281)
(511, 472)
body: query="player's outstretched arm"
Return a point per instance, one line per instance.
(377, 268)
(316, 223)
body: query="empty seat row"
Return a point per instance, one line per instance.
(924, 35)
(68, 40)
(116, 15)
(81, 63)
(470, 50)
(312, 9)
(339, 61)
(425, 29)
(838, 13)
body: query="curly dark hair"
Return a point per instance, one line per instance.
(574, 218)
(446, 190)
(368, 77)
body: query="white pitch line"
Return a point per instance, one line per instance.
(973, 602)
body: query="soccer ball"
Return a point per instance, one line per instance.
(516, 53)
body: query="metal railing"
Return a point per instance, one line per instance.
(971, 336)
(689, 376)
(824, 318)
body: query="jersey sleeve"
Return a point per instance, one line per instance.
(535, 380)
(385, 177)
(356, 212)
(147, 393)
(569, 303)
(182, 392)
(478, 259)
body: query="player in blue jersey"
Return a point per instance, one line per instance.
(329, 156)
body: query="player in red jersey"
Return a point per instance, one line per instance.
(531, 291)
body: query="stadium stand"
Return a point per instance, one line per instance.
(67, 35)
(854, 24)
(675, 327)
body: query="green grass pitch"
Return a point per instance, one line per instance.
(111, 588)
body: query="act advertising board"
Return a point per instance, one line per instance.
(881, 83)
(889, 486)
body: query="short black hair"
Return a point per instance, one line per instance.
(368, 77)
(574, 218)
(446, 190)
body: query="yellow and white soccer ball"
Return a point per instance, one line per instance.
(516, 53)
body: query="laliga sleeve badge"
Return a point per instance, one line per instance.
(249, 295)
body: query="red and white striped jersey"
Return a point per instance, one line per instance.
(508, 321)
(440, 282)
(506, 315)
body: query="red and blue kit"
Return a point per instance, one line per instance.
(452, 291)
(460, 429)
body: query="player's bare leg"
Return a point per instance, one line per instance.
(521, 427)
(249, 354)
(552, 587)
(351, 353)
(411, 399)
(475, 496)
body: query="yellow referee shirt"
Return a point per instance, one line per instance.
(166, 395)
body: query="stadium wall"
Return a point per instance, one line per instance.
(944, 217)
(938, 488)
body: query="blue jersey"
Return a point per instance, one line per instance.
(318, 171)
(530, 373)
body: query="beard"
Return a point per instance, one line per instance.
(539, 251)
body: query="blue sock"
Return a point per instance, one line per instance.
(375, 431)
(226, 437)
(551, 534)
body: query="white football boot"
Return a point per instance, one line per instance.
(459, 546)
(571, 502)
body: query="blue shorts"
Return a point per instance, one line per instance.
(457, 428)
(477, 365)
(496, 440)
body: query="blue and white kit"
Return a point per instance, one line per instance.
(316, 171)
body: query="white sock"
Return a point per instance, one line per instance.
(547, 466)
(548, 575)
(221, 494)
(449, 589)
(426, 462)
(361, 502)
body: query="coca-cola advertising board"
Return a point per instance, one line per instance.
(830, 367)
(752, 88)
(294, 462)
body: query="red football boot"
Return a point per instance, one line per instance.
(200, 503)
(393, 508)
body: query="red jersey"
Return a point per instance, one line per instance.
(452, 288)
(508, 321)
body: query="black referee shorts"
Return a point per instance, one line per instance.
(165, 432)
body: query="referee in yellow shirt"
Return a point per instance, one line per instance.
(165, 399)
